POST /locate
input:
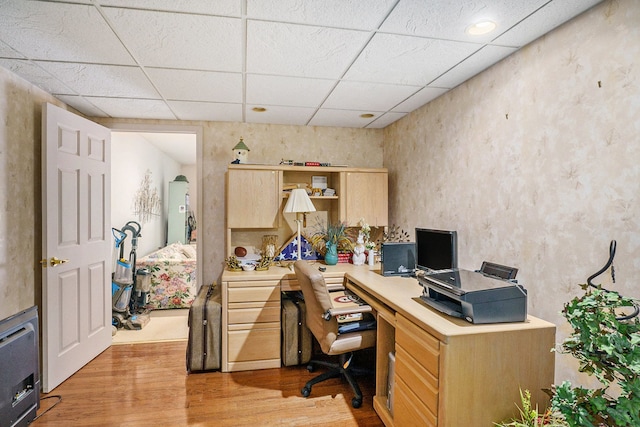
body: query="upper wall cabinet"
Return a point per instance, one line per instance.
(256, 195)
(253, 198)
(365, 196)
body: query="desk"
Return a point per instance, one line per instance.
(448, 372)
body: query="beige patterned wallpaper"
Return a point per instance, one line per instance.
(535, 162)
(20, 211)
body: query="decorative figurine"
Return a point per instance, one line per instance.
(241, 152)
(359, 256)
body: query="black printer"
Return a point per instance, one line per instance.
(471, 295)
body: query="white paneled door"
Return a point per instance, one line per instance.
(76, 233)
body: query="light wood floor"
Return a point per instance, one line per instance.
(147, 385)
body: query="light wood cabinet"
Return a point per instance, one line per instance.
(365, 196)
(253, 198)
(250, 325)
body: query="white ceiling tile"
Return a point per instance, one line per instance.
(418, 99)
(188, 85)
(102, 80)
(368, 97)
(81, 104)
(446, 19)
(300, 50)
(41, 30)
(339, 118)
(544, 20)
(385, 120)
(179, 40)
(214, 60)
(208, 7)
(208, 111)
(133, 108)
(407, 60)
(356, 14)
(287, 91)
(7, 52)
(276, 114)
(473, 65)
(36, 75)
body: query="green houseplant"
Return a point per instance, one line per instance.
(606, 342)
(330, 238)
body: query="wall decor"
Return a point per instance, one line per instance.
(146, 201)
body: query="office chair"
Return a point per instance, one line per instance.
(321, 320)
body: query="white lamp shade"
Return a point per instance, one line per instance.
(299, 201)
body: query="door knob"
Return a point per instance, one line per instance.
(53, 262)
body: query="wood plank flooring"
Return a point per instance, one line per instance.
(147, 385)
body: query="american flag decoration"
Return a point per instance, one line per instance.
(290, 251)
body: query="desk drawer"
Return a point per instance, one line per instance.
(417, 378)
(421, 345)
(253, 293)
(292, 284)
(408, 410)
(266, 312)
(254, 344)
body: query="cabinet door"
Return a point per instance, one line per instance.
(253, 198)
(366, 196)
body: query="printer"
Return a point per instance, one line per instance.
(473, 296)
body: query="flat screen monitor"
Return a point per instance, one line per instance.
(436, 249)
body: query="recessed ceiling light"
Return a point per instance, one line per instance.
(481, 28)
(367, 115)
(259, 109)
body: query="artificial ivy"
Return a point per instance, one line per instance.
(607, 347)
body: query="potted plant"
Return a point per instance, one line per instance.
(330, 238)
(530, 417)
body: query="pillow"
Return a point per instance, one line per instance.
(189, 251)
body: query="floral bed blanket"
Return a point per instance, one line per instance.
(173, 276)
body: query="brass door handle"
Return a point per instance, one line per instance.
(53, 262)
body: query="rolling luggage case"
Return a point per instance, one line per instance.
(297, 340)
(205, 317)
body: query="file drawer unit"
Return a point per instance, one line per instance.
(251, 325)
(417, 369)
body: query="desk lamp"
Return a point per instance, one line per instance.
(299, 202)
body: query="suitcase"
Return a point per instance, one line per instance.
(297, 340)
(205, 317)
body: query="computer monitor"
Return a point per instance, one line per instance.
(436, 249)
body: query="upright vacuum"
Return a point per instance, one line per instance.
(128, 310)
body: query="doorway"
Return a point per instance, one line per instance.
(145, 160)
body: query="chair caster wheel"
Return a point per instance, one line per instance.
(306, 391)
(356, 403)
(311, 368)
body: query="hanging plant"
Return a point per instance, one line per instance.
(606, 342)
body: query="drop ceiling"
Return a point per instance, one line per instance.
(346, 63)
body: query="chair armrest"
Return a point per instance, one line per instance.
(334, 312)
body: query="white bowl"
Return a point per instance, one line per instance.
(248, 267)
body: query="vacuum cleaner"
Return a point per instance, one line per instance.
(129, 305)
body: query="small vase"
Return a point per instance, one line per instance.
(371, 257)
(331, 256)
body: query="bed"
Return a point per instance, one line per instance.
(173, 276)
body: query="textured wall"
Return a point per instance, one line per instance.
(20, 215)
(535, 162)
